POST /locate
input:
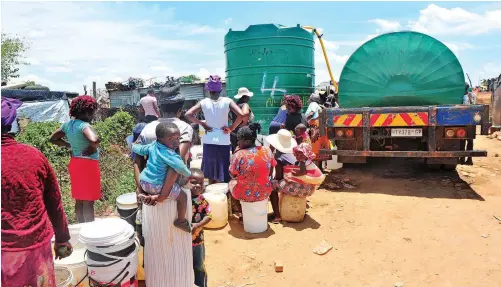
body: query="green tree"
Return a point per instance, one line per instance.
(189, 79)
(13, 48)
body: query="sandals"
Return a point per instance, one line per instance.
(183, 225)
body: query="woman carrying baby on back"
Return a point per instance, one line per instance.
(162, 155)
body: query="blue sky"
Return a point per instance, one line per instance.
(75, 43)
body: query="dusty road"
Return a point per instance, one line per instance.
(400, 223)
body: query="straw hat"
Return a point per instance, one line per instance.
(282, 141)
(243, 92)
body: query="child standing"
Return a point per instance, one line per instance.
(301, 134)
(162, 155)
(201, 217)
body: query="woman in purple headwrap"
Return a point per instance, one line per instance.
(32, 211)
(216, 141)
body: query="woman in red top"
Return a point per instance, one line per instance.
(32, 211)
(250, 169)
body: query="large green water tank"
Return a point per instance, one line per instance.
(270, 60)
(401, 69)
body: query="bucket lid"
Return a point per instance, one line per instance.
(217, 188)
(127, 199)
(109, 231)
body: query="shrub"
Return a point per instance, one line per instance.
(117, 175)
(114, 130)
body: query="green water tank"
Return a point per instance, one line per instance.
(270, 60)
(401, 69)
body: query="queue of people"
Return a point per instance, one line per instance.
(165, 184)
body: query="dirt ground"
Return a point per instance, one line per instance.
(390, 221)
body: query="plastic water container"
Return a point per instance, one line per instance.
(77, 265)
(333, 164)
(127, 207)
(112, 251)
(76, 261)
(63, 276)
(196, 163)
(255, 216)
(196, 152)
(215, 194)
(292, 208)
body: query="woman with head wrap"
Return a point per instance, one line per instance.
(318, 142)
(294, 117)
(250, 169)
(303, 178)
(32, 211)
(216, 141)
(84, 170)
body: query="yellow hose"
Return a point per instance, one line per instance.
(325, 55)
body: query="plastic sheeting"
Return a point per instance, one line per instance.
(401, 69)
(57, 111)
(36, 95)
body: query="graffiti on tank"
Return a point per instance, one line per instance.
(271, 100)
(273, 89)
(267, 52)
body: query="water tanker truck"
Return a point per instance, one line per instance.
(401, 95)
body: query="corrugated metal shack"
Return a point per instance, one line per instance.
(192, 93)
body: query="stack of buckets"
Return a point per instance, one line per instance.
(112, 252)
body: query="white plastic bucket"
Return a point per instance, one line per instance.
(107, 236)
(63, 276)
(215, 194)
(127, 201)
(77, 265)
(255, 216)
(333, 164)
(107, 273)
(127, 207)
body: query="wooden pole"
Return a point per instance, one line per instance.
(94, 89)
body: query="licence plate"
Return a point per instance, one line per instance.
(406, 132)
